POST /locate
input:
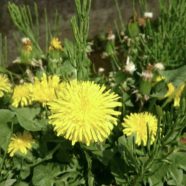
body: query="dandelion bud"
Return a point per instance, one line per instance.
(26, 41)
(27, 44)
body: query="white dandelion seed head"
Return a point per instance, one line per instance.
(130, 66)
(159, 66)
(148, 15)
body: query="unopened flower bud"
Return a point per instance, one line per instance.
(27, 44)
(26, 41)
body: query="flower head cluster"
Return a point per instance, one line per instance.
(5, 85)
(175, 93)
(44, 89)
(55, 44)
(139, 124)
(20, 143)
(84, 112)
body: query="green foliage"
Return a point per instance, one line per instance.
(52, 160)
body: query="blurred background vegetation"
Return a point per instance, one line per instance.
(103, 15)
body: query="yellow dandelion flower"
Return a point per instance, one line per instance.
(20, 143)
(5, 85)
(84, 112)
(174, 93)
(22, 95)
(137, 124)
(55, 44)
(44, 90)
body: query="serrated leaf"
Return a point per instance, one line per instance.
(45, 175)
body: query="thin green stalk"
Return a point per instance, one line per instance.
(119, 15)
(46, 31)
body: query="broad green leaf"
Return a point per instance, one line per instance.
(25, 172)
(21, 184)
(120, 77)
(5, 132)
(184, 179)
(179, 159)
(177, 76)
(6, 115)
(29, 113)
(8, 182)
(176, 176)
(159, 170)
(145, 87)
(154, 181)
(133, 29)
(26, 118)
